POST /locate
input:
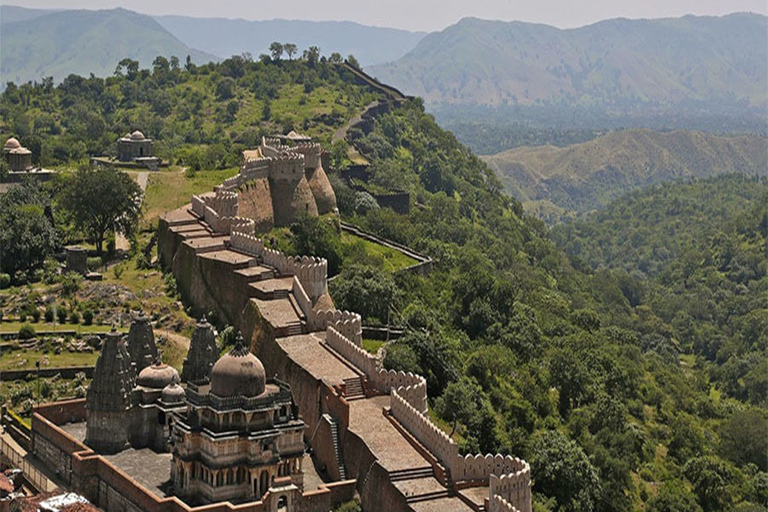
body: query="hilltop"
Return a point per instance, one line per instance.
(42, 44)
(615, 63)
(591, 174)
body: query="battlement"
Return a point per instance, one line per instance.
(310, 271)
(508, 477)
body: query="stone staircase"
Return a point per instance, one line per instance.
(337, 448)
(353, 388)
(294, 329)
(434, 495)
(411, 474)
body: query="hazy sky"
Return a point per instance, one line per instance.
(427, 15)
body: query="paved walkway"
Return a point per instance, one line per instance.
(121, 242)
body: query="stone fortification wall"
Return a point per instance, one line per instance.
(311, 272)
(349, 324)
(255, 202)
(508, 477)
(411, 387)
(311, 152)
(499, 504)
(275, 183)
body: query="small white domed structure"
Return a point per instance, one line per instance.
(12, 143)
(135, 147)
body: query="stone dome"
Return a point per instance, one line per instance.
(157, 376)
(173, 394)
(137, 135)
(238, 373)
(12, 143)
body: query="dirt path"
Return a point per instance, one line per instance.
(122, 243)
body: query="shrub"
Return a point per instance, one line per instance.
(94, 263)
(1, 315)
(74, 317)
(87, 317)
(35, 314)
(48, 314)
(23, 316)
(5, 281)
(71, 283)
(61, 314)
(26, 332)
(118, 271)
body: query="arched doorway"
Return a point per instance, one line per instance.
(263, 482)
(282, 504)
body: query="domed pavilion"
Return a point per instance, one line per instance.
(240, 433)
(134, 146)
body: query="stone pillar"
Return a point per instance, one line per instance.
(77, 259)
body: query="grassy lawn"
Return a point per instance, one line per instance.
(26, 359)
(170, 190)
(391, 259)
(372, 346)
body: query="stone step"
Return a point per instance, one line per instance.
(427, 497)
(411, 474)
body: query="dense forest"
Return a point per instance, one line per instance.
(621, 395)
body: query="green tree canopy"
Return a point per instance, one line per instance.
(100, 201)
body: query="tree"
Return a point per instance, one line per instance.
(336, 58)
(102, 201)
(459, 402)
(276, 50)
(312, 55)
(710, 477)
(225, 88)
(563, 471)
(673, 498)
(353, 61)
(27, 235)
(743, 439)
(366, 290)
(290, 49)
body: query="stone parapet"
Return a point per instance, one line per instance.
(311, 272)
(507, 477)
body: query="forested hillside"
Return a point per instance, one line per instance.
(524, 353)
(200, 116)
(591, 174)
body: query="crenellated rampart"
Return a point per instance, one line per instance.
(311, 272)
(508, 477)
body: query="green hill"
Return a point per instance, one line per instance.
(57, 44)
(614, 63)
(591, 174)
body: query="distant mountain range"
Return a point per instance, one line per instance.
(35, 43)
(552, 181)
(612, 64)
(227, 37)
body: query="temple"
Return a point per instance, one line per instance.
(239, 435)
